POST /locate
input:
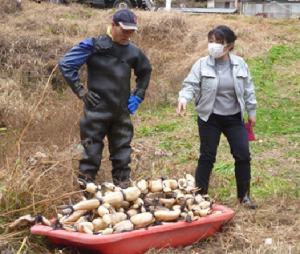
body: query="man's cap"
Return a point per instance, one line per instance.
(126, 18)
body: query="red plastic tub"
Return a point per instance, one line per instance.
(139, 241)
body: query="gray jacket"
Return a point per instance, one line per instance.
(202, 84)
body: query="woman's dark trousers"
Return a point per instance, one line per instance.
(236, 133)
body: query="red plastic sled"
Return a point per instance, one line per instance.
(140, 241)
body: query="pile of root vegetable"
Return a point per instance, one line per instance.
(145, 203)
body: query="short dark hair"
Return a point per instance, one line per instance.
(117, 23)
(223, 33)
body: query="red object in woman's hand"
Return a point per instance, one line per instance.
(251, 135)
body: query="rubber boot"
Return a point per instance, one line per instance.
(88, 178)
(121, 176)
(123, 184)
(243, 193)
(203, 190)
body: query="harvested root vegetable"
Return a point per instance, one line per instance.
(23, 221)
(144, 204)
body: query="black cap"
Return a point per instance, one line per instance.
(126, 18)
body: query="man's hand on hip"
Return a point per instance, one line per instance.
(133, 103)
(89, 98)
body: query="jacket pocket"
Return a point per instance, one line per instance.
(208, 79)
(241, 76)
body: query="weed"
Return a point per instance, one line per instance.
(166, 127)
(145, 130)
(70, 16)
(8, 138)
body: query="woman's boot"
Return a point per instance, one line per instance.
(243, 193)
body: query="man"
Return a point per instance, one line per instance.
(108, 100)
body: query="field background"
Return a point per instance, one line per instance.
(38, 163)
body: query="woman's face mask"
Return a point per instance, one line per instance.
(216, 50)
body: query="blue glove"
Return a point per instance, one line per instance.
(133, 103)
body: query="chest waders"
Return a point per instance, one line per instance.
(109, 74)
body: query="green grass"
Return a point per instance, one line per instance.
(160, 128)
(70, 16)
(262, 67)
(264, 184)
(277, 94)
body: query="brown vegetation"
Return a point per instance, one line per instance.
(43, 170)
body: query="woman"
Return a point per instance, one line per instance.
(223, 89)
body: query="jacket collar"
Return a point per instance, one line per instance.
(233, 60)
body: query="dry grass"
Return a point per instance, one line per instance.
(44, 170)
(9, 6)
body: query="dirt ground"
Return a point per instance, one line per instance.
(38, 164)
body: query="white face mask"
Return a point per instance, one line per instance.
(216, 50)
